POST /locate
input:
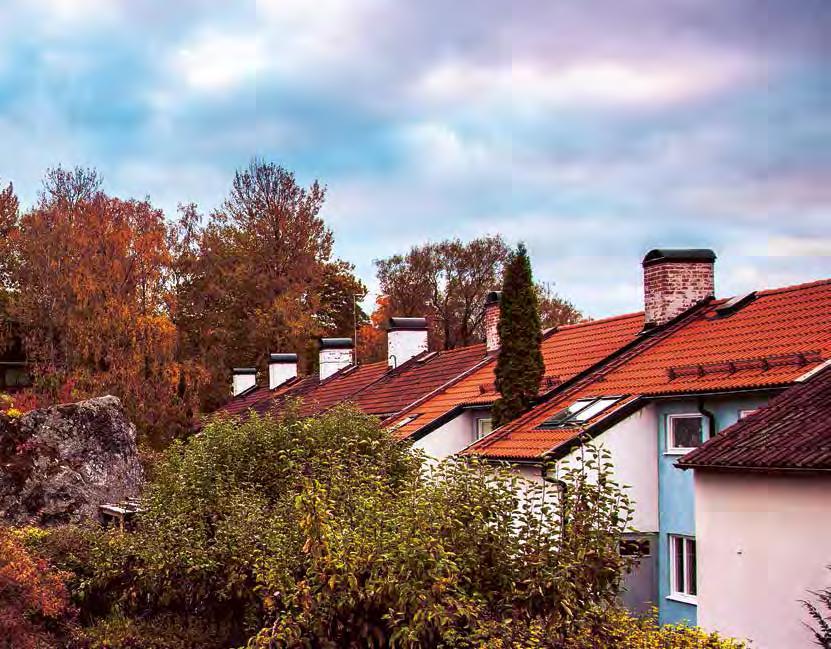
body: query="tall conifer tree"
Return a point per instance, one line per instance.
(520, 366)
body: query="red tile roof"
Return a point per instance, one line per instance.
(793, 432)
(374, 388)
(339, 387)
(566, 351)
(252, 396)
(768, 342)
(418, 378)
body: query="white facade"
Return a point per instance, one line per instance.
(633, 444)
(763, 543)
(449, 438)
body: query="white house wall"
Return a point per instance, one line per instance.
(633, 444)
(762, 543)
(450, 438)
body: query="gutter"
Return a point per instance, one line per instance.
(733, 468)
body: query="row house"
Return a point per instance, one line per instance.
(763, 517)
(699, 365)
(648, 386)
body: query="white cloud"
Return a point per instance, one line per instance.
(789, 246)
(532, 86)
(437, 149)
(216, 61)
(77, 13)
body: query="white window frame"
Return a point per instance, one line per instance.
(671, 449)
(478, 431)
(680, 592)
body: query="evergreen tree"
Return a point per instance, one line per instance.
(520, 366)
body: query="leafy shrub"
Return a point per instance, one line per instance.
(821, 615)
(34, 602)
(326, 532)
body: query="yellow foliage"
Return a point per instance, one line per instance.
(644, 633)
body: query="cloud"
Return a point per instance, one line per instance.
(534, 87)
(215, 61)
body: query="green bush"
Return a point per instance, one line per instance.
(326, 532)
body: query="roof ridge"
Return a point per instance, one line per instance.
(587, 323)
(793, 287)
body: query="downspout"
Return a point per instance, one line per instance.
(710, 417)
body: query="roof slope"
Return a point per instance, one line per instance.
(769, 342)
(373, 387)
(417, 378)
(793, 432)
(566, 351)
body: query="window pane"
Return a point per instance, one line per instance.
(594, 409)
(564, 414)
(686, 432)
(678, 560)
(483, 427)
(691, 568)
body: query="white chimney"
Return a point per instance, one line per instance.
(243, 379)
(492, 321)
(335, 354)
(281, 368)
(674, 281)
(406, 338)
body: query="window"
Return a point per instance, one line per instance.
(403, 422)
(684, 432)
(682, 567)
(579, 412)
(484, 426)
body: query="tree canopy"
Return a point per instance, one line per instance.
(448, 281)
(110, 297)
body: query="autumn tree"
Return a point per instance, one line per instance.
(555, 310)
(89, 292)
(520, 366)
(447, 282)
(259, 276)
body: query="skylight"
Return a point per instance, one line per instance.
(403, 422)
(579, 412)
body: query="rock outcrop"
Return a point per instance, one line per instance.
(58, 464)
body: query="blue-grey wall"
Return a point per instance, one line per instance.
(676, 507)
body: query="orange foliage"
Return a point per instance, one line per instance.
(89, 294)
(33, 597)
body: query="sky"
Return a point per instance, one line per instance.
(592, 131)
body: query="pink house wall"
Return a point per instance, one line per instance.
(763, 541)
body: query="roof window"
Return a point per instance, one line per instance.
(579, 412)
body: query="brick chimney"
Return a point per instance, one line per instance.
(243, 378)
(281, 368)
(335, 354)
(492, 320)
(675, 280)
(406, 338)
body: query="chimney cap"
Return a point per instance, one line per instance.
(407, 324)
(244, 371)
(494, 297)
(336, 343)
(679, 255)
(282, 358)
